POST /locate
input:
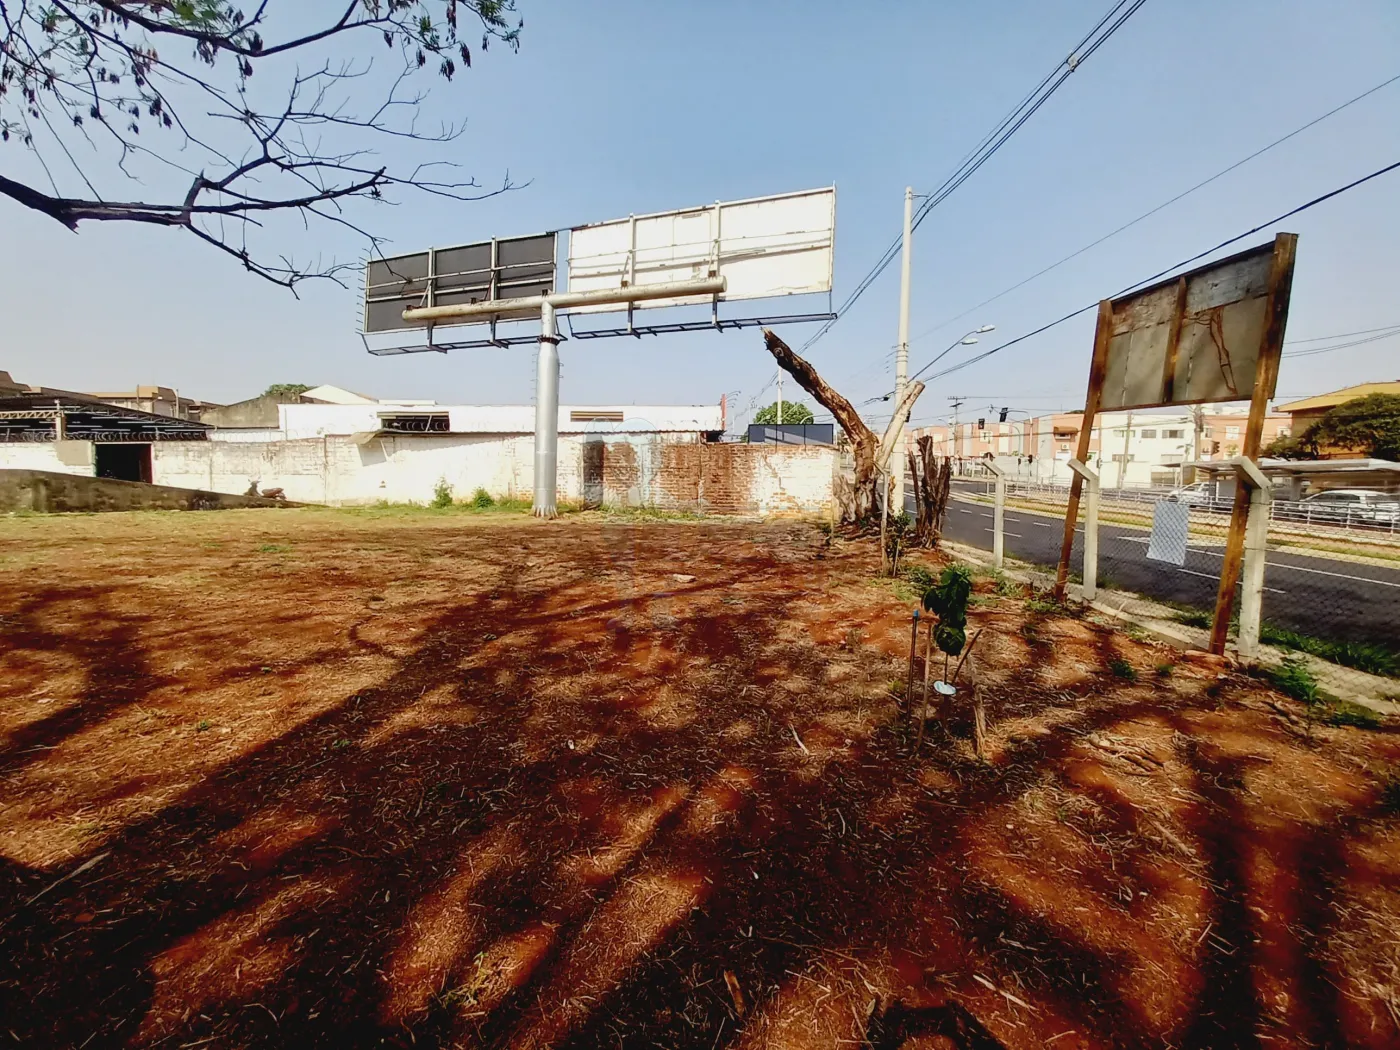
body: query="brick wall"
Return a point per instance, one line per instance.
(715, 478)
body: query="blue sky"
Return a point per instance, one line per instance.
(611, 108)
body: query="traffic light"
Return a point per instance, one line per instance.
(1004, 411)
(981, 422)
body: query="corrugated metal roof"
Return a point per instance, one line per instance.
(1338, 397)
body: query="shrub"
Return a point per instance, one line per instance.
(948, 599)
(1292, 678)
(920, 580)
(1122, 669)
(1164, 670)
(442, 495)
(1390, 794)
(481, 500)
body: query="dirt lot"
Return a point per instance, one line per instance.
(315, 778)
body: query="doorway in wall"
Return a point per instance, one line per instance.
(124, 461)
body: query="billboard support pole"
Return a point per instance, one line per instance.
(547, 369)
(547, 416)
(1103, 335)
(1265, 378)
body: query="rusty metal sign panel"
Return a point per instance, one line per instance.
(506, 268)
(1193, 339)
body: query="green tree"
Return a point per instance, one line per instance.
(1369, 425)
(1290, 448)
(793, 412)
(285, 390)
(106, 100)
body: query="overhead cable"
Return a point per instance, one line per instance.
(1163, 273)
(990, 143)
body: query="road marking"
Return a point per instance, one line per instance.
(1043, 524)
(1337, 575)
(1016, 534)
(1273, 565)
(1212, 576)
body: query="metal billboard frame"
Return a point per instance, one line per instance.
(444, 278)
(418, 290)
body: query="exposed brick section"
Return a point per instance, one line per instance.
(719, 478)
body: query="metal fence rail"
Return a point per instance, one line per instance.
(1328, 590)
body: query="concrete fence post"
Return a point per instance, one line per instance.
(1091, 528)
(998, 516)
(1256, 540)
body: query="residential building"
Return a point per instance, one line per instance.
(1309, 410)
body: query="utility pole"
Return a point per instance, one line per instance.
(901, 356)
(780, 397)
(957, 456)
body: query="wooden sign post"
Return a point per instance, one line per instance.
(1265, 378)
(1211, 335)
(1103, 334)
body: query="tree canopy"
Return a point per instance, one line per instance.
(793, 412)
(285, 390)
(222, 120)
(1369, 425)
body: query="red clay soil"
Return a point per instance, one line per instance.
(315, 778)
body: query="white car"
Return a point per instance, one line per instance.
(1201, 494)
(1354, 506)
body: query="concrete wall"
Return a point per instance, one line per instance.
(63, 457)
(668, 471)
(53, 492)
(673, 471)
(255, 412)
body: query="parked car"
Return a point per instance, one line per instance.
(1349, 506)
(1202, 494)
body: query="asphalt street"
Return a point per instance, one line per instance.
(1324, 597)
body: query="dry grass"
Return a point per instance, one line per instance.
(317, 778)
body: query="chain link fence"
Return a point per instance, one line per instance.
(1331, 599)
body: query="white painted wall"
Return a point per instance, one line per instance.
(795, 479)
(74, 457)
(335, 469)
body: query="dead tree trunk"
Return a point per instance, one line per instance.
(932, 481)
(859, 503)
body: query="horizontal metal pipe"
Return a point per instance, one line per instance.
(563, 300)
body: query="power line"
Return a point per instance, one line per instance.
(990, 143)
(1344, 346)
(1139, 284)
(1344, 335)
(1165, 204)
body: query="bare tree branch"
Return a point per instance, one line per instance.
(67, 63)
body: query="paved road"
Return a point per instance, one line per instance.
(1319, 596)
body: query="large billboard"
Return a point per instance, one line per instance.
(763, 247)
(1196, 338)
(513, 268)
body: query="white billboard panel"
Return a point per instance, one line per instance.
(766, 246)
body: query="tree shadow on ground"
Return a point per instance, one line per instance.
(572, 818)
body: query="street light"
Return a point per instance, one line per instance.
(967, 339)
